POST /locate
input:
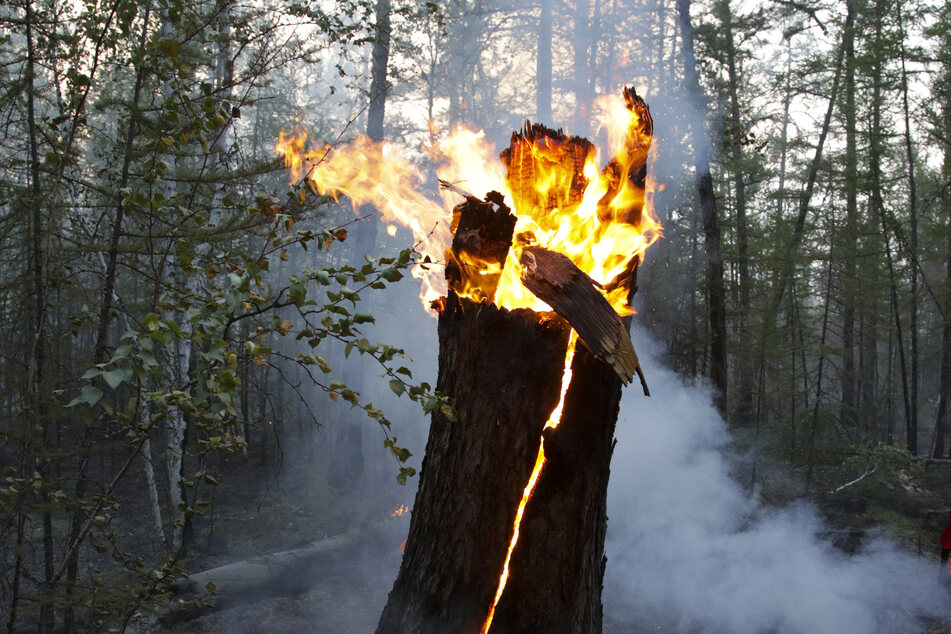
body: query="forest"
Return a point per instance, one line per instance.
(223, 234)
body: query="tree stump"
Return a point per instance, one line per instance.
(503, 371)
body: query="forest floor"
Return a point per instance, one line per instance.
(270, 506)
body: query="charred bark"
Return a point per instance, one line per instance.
(557, 568)
(502, 369)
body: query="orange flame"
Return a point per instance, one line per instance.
(398, 511)
(595, 232)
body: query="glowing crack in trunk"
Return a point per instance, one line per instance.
(553, 419)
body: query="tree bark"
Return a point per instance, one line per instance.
(502, 369)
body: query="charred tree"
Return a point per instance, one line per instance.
(504, 371)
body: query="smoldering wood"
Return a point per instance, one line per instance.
(502, 369)
(556, 280)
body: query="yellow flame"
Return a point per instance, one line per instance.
(595, 233)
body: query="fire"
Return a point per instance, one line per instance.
(591, 224)
(398, 511)
(601, 218)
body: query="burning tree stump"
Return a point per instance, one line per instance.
(503, 370)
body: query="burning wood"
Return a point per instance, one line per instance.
(508, 528)
(482, 237)
(554, 278)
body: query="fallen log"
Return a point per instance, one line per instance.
(286, 573)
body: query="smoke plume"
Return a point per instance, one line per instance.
(689, 551)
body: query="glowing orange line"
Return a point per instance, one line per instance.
(553, 419)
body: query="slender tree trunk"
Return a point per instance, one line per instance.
(899, 336)
(869, 361)
(36, 366)
(543, 64)
(175, 421)
(943, 417)
(346, 468)
(581, 70)
(847, 281)
(744, 397)
(810, 460)
(716, 302)
(912, 429)
(378, 71)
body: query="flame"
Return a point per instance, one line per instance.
(402, 546)
(398, 511)
(595, 230)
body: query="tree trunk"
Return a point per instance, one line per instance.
(503, 370)
(716, 302)
(378, 71)
(280, 574)
(811, 452)
(912, 428)
(507, 532)
(580, 68)
(744, 398)
(943, 418)
(847, 281)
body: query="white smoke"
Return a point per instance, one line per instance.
(689, 550)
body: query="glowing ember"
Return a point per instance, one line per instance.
(398, 511)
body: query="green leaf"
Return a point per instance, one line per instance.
(89, 395)
(297, 293)
(91, 373)
(361, 317)
(347, 350)
(391, 274)
(115, 377)
(121, 352)
(397, 387)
